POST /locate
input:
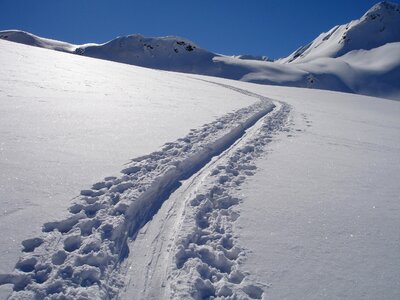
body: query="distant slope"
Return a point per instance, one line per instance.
(165, 53)
(360, 57)
(378, 26)
(30, 39)
(369, 72)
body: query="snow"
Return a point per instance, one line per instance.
(121, 182)
(253, 57)
(331, 61)
(318, 215)
(82, 252)
(207, 253)
(352, 73)
(377, 27)
(68, 121)
(319, 174)
(165, 53)
(329, 196)
(30, 39)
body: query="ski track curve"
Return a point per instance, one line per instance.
(83, 256)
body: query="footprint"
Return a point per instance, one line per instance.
(30, 244)
(26, 265)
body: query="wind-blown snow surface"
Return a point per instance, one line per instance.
(293, 194)
(68, 121)
(331, 61)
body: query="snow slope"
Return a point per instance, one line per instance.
(377, 27)
(281, 187)
(233, 190)
(331, 61)
(329, 193)
(351, 73)
(68, 121)
(314, 217)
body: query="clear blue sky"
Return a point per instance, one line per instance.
(264, 27)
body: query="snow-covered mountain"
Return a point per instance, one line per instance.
(30, 39)
(228, 190)
(165, 53)
(378, 26)
(333, 61)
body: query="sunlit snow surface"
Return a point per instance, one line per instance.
(323, 208)
(66, 122)
(377, 27)
(312, 215)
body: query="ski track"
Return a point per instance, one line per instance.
(207, 254)
(81, 257)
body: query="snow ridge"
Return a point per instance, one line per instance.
(207, 255)
(79, 257)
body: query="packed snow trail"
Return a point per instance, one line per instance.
(80, 257)
(207, 255)
(189, 249)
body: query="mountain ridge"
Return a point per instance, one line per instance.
(378, 26)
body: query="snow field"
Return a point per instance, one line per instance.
(326, 195)
(68, 121)
(80, 255)
(321, 214)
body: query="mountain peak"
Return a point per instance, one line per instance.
(377, 27)
(384, 6)
(382, 9)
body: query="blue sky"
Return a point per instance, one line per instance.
(264, 27)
